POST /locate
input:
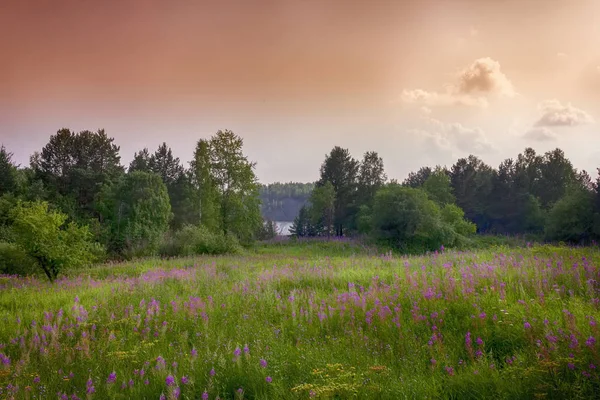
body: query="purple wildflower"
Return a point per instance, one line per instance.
(212, 372)
(590, 341)
(269, 379)
(89, 387)
(112, 377)
(527, 325)
(263, 363)
(246, 349)
(176, 392)
(571, 365)
(170, 380)
(205, 395)
(479, 341)
(185, 380)
(194, 352)
(36, 379)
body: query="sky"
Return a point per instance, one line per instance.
(421, 82)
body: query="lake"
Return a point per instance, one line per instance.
(283, 227)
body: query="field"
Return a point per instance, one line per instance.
(299, 322)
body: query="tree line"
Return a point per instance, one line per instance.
(536, 194)
(76, 202)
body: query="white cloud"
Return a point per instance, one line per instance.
(453, 136)
(473, 86)
(540, 134)
(484, 76)
(432, 99)
(553, 113)
(425, 110)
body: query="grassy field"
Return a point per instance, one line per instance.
(310, 320)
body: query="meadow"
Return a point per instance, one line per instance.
(309, 321)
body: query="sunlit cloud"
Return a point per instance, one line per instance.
(473, 86)
(553, 113)
(453, 136)
(540, 134)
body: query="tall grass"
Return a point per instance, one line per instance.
(514, 324)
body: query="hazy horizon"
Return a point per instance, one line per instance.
(420, 82)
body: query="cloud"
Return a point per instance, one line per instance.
(473, 86)
(432, 99)
(556, 114)
(484, 76)
(540, 134)
(453, 136)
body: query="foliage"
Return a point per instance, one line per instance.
(136, 213)
(194, 240)
(322, 208)
(438, 187)
(268, 230)
(572, 218)
(75, 166)
(228, 186)
(341, 170)
(405, 218)
(44, 235)
(8, 172)
(15, 261)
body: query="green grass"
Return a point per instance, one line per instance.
(331, 320)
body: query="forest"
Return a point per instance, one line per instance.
(77, 204)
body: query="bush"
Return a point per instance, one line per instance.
(572, 218)
(45, 236)
(195, 240)
(15, 261)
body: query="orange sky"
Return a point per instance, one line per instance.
(421, 82)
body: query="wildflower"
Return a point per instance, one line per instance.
(131, 382)
(450, 371)
(36, 379)
(205, 395)
(212, 372)
(185, 380)
(479, 341)
(269, 379)
(571, 365)
(112, 377)
(194, 352)
(162, 397)
(146, 382)
(170, 380)
(176, 392)
(246, 349)
(468, 339)
(590, 341)
(263, 363)
(482, 315)
(433, 361)
(527, 325)
(89, 386)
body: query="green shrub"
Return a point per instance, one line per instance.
(44, 235)
(194, 240)
(14, 261)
